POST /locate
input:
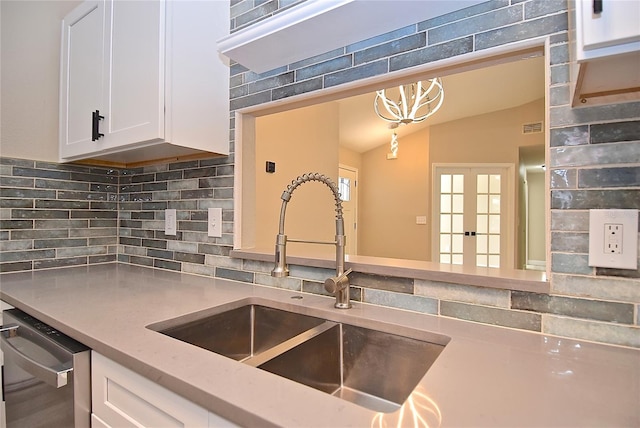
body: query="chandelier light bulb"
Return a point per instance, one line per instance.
(414, 102)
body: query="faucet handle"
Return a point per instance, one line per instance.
(336, 283)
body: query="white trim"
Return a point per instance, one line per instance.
(245, 135)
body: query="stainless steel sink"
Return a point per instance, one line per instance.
(371, 368)
(243, 332)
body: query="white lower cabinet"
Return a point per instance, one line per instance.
(123, 398)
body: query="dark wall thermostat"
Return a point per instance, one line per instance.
(271, 167)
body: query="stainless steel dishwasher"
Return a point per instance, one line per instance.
(46, 375)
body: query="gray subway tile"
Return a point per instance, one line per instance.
(167, 264)
(235, 275)
(592, 330)
(16, 182)
(58, 243)
(570, 242)
(216, 182)
(489, 315)
(16, 267)
(591, 199)
(16, 256)
(39, 214)
(41, 173)
(324, 67)
(59, 262)
(400, 300)
(286, 283)
(615, 132)
(431, 53)
(609, 177)
(196, 194)
(462, 293)
(16, 203)
(250, 100)
(570, 263)
(560, 74)
(271, 82)
(569, 136)
(609, 288)
(563, 178)
(595, 154)
(476, 24)
(189, 257)
(388, 283)
(209, 171)
(394, 47)
(567, 115)
(573, 307)
(535, 9)
(297, 88)
(522, 31)
(564, 220)
(16, 224)
(27, 193)
(559, 95)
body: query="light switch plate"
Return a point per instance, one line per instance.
(214, 222)
(613, 238)
(170, 222)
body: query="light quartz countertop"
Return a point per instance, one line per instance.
(485, 376)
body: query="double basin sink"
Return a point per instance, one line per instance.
(369, 367)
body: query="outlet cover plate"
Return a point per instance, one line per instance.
(214, 216)
(170, 222)
(601, 253)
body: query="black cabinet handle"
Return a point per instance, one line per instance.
(597, 6)
(95, 125)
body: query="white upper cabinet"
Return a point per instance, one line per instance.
(141, 81)
(607, 27)
(606, 51)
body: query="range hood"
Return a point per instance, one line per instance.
(318, 26)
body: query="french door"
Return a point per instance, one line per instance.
(473, 208)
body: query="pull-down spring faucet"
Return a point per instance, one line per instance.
(338, 285)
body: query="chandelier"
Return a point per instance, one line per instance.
(415, 102)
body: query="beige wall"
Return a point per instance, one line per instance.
(30, 77)
(536, 192)
(393, 193)
(298, 141)
(488, 138)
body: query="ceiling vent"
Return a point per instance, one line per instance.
(532, 128)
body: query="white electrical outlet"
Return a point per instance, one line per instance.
(170, 221)
(613, 238)
(215, 222)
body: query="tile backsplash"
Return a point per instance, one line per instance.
(61, 215)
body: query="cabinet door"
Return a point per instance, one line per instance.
(123, 398)
(80, 77)
(133, 88)
(617, 23)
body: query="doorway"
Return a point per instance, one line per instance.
(472, 208)
(348, 187)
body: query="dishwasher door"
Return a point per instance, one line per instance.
(46, 375)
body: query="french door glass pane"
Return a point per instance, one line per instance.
(488, 220)
(451, 225)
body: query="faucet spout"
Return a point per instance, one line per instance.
(338, 285)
